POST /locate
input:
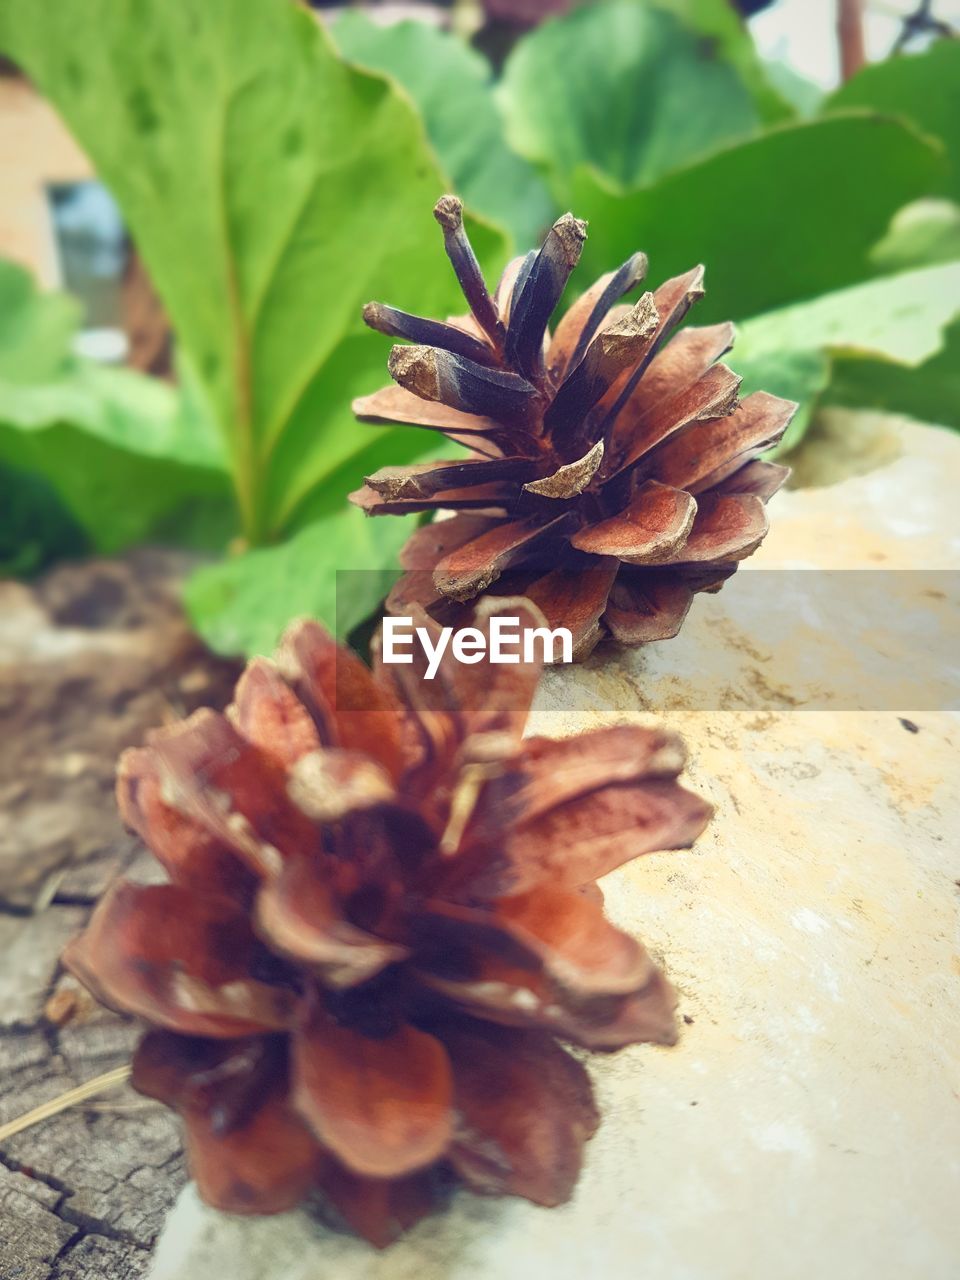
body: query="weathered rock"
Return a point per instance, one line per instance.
(808, 1121)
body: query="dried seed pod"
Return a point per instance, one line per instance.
(616, 454)
(381, 922)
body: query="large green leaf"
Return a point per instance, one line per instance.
(719, 21)
(271, 190)
(35, 526)
(921, 234)
(452, 87)
(900, 317)
(338, 568)
(119, 497)
(101, 457)
(924, 88)
(898, 323)
(35, 330)
(624, 87)
(776, 219)
(930, 392)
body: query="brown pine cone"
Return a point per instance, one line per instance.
(615, 472)
(381, 917)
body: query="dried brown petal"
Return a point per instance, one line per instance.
(379, 1209)
(190, 854)
(267, 1165)
(525, 1110)
(354, 710)
(382, 1106)
(592, 835)
(178, 960)
(298, 914)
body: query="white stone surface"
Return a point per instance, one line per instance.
(808, 1123)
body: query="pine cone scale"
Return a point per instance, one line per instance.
(584, 839)
(709, 451)
(647, 607)
(727, 527)
(681, 363)
(525, 1111)
(298, 916)
(267, 1165)
(469, 569)
(382, 1105)
(657, 522)
(581, 322)
(178, 960)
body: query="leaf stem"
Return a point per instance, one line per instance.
(850, 35)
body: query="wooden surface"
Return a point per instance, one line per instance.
(90, 657)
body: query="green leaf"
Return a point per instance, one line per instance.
(896, 323)
(925, 89)
(452, 87)
(794, 375)
(104, 457)
(900, 317)
(921, 234)
(718, 20)
(779, 218)
(336, 569)
(805, 96)
(118, 497)
(35, 526)
(35, 329)
(624, 87)
(271, 190)
(930, 392)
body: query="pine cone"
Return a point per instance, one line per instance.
(380, 918)
(615, 472)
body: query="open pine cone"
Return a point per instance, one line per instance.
(615, 472)
(380, 919)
